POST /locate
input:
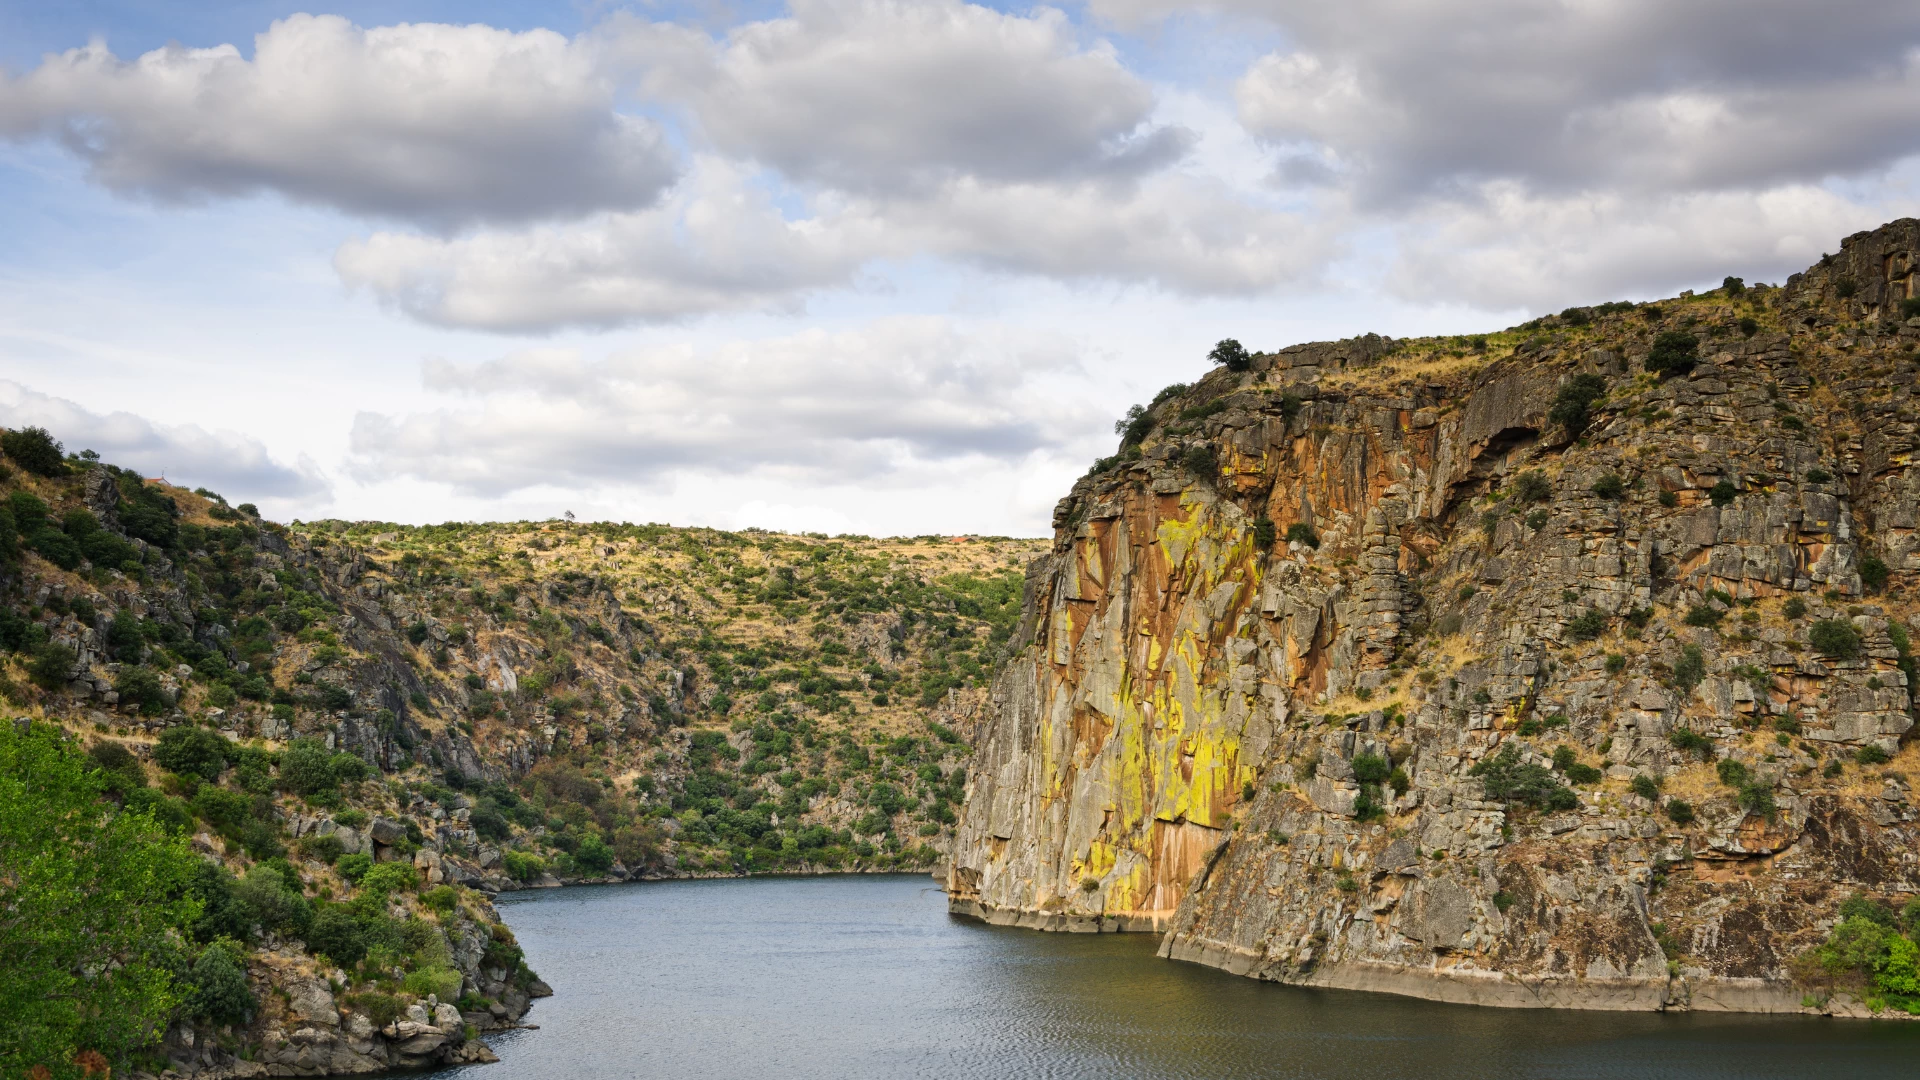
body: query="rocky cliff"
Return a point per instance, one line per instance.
(1567, 665)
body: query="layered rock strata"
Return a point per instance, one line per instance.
(1190, 733)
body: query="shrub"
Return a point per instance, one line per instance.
(1703, 615)
(1231, 355)
(55, 546)
(1870, 755)
(225, 810)
(1645, 786)
(1845, 287)
(35, 450)
(1873, 572)
(1570, 764)
(1505, 778)
(1692, 742)
(1610, 486)
(326, 849)
(1679, 811)
(1722, 493)
(594, 856)
(441, 898)
(1674, 353)
(1264, 533)
(441, 982)
(1616, 663)
(1198, 460)
(1794, 608)
(1530, 487)
(381, 1008)
(338, 935)
(1572, 404)
(192, 751)
(1669, 499)
(1370, 768)
(217, 986)
(1301, 532)
(1733, 286)
(51, 664)
(1818, 476)
(387, 878)
(1834, 637)
(1690, 668)
(354, 867)
(307, 767)
(1748, 325)
(523, 867)
(140, 686)
(1589, 625)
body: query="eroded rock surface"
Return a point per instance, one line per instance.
(1193, 731)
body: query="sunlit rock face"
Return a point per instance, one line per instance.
(1353, 667)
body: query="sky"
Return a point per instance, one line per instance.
(851, 265)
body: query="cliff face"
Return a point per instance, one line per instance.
(1422, 755)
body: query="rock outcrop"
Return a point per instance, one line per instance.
(1290, 645)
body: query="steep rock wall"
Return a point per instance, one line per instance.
(1188, 735)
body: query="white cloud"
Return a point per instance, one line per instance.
(887, 401)
(891, 95)
(236, 465)
(441, 125)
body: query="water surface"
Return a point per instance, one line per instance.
(855, 978)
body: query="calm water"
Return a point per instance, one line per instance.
(868, 977)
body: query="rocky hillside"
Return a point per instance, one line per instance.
(365, 730)
(1567, 665)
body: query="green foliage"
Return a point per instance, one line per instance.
(338, 934)
(1198, 460)
(1870, 755)
(1679, 811)
(1302, 533)
(441, 981)
(1690, 668)
(1692, 742)
(1264, 533)
(1836, 638)
(1722, 492)
(1530, 487)
(523, 867)
(1748, 325)
(217, 985)
(441, 898)
(307, 767)
(1644, 786)
(35, 450)
(1231, 355)
(1588, 625)
(1573, 403)
(1704, 615)
(388, 878)
(94, 897)
(192, 751)
(1794, 608)
(1507, 779)
(225, 810)
(1873, 572)
(1371, 768)
(1569, 763)
(593, 856)
(1669, 499)
(355, 866)
(1610, 486)
(1674, 353)
(1733, 286)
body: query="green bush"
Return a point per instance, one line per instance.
(1231, 355)
(1794, 608)
(354, 867)
(35, 450)
(1370, 768)
(1733, 286)
(56, 547)
(1679, 811)
(1301, 532)
(1748, 325)
(1570, 764)
(1873, 572)
(1669, 499)
(225, 810)
(441, 982)
(441, 898)
(1690, 668)
(1871, 755)
(307, 767)
(594, 856)
(387, 878)
(217, 985)
(1704, 615)
(1722, 493)
(1530, 487)
(1845, 287)
(1505, 778)
(192, 751)
(338, 935)
(1589, 625)
(326, 849)
(1575, 400)
(1610, 486)
(1199, 460)
(140, 686)
(523, 867)
(1836, 638)
(1692, 742)
(1674, 353)
(1645, 786)
(1264, 533)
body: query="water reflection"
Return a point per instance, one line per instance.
(858, 977)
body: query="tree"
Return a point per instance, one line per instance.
(192, 751)
(1575, 399)
(1231, 355)
(1674, 353)
(218, 985)
(1836, 638)
(92, 900)
(35, 450)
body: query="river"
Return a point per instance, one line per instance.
(857, 977)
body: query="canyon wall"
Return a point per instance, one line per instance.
(1290, 644)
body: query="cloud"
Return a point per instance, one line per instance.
(717, 244)
(1508, 248)
(238, 466)
(437, 125)
(888, 96)
(868, 405)
(1416, 98)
